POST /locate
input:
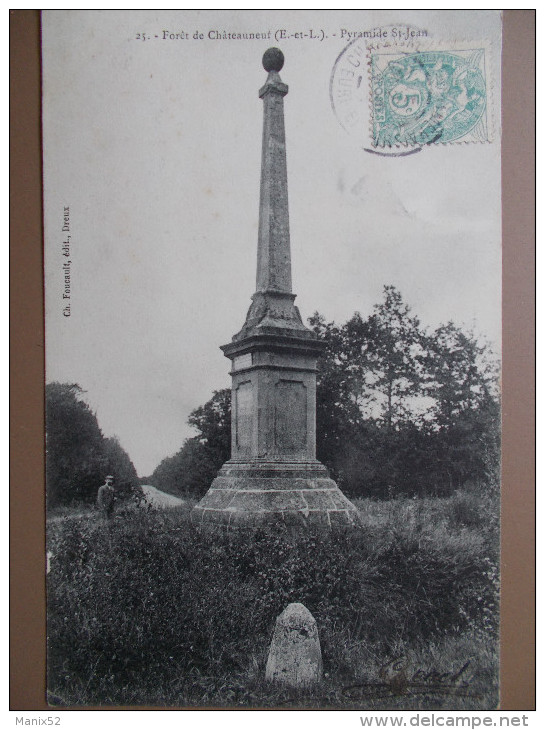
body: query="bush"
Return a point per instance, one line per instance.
(149, 600)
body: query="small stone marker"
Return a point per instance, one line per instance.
(295, 657)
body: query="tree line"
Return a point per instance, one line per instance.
(400, 410)
(78, 456)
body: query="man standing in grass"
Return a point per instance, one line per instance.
(106, 498)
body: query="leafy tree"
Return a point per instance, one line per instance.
(119, 463)
(338, 393)
(464, 384)
(213, 422)
(395, 352)
(190, 472)
(73, 445)
(370, 379)
(78, 457)
(398, 410)
(463, 376)
(193, 468)
(403, 411)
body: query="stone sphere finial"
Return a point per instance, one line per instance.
(273, 59)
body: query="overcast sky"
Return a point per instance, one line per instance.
(155, 147)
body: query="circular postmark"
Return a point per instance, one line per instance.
(348, 91)
(393, 96)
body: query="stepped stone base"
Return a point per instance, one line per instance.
(259, 495)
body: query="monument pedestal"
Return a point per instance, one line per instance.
(273, 476)
(265, 494)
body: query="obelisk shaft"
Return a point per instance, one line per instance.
(273, 250)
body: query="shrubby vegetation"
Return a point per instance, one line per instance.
(400, 410)
(78, 456)
(148, 610)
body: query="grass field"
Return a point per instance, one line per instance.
(148, 610)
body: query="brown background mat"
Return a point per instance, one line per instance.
(27, 522)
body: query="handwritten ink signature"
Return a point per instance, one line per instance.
(397, 679)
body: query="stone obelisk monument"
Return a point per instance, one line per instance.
(273, 475)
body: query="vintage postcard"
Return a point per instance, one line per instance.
(273, 337)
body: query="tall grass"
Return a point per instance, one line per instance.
(148, 610)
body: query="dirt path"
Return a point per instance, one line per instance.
(160, 499)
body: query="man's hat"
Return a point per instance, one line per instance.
(110, 476)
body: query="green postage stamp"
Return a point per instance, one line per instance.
(421, 97)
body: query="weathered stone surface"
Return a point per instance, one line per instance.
(237, 501)
(273, 59)
(295, 657)
(320, 499)
(273, 475)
